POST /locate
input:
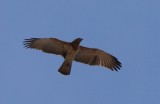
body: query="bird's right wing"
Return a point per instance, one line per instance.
(48, 45)
(98, 57)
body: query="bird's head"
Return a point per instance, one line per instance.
(75, 43)
(78, 39)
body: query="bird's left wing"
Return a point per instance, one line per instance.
(48, 45)
(98, 57)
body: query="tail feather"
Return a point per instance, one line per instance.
(65, 68)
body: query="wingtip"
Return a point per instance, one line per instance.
(117, 67)
(27, 42)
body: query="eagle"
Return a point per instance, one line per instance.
(73, 51)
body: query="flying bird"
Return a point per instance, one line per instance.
(73, 51)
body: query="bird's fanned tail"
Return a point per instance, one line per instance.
(65, 68)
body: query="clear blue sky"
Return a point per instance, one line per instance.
(128, 29)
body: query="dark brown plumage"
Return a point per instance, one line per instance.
(73, 51)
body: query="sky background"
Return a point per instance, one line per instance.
(128, 29)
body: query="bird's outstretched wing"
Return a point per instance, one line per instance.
(48, 45)
(98, 57)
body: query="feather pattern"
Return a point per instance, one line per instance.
(48, 45)
(93, 56)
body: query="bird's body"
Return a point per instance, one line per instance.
(73, 51)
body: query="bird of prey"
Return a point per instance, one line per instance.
(73, 51)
